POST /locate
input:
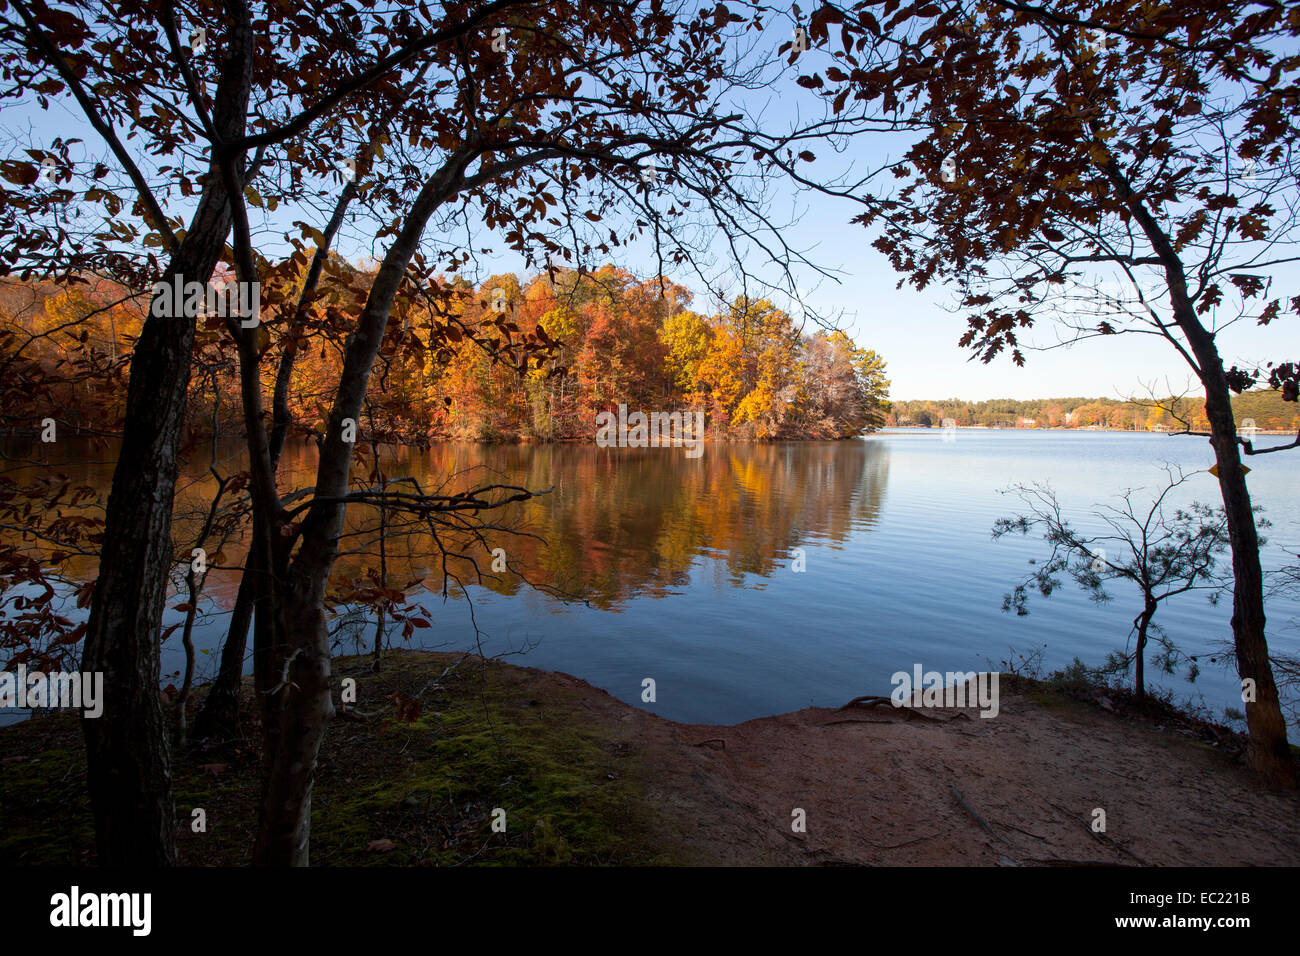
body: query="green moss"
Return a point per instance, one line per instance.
(45, 781)
(488, 736)
(488, 748)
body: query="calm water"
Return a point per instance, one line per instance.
(682, 569)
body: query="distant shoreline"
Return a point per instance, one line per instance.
(1058, 428)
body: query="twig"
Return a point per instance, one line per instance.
(1101, 837)
(284, 674)
(984, 824)
(1056, 861)
(896, 846)
(1012, 826)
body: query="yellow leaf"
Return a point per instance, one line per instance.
(1214, 470)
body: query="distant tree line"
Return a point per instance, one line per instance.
(1265, 407)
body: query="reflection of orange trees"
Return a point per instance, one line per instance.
(625, 522)
(51, 532)
(617, 524)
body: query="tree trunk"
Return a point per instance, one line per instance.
(1139, 673)
(1269, 755)
(219, 715)
(297, 646)
(1269, 752)
(383, 568)
(127, 758)
(304, 707)
(187, 640)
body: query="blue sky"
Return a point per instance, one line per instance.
(917, 333)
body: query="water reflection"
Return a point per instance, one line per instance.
(617, 523)
(622, 523)
(687, 563)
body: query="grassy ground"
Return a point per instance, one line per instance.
(388, 792)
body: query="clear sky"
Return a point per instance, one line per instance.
(917, 333)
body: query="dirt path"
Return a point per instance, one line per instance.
(890, 788)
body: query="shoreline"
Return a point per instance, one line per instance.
(586, 779)
(195, 436)
(1061, 428)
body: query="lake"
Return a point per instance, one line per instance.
(649, 563)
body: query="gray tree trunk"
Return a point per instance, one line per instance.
(127, 757)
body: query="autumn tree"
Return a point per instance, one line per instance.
(841, 388)
(869, 377)
(688, 337)
(557, 398)
(591, 125)
(101, 65)
(166, 92)
(749, 367)
(1116, 168)
(622, 358)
